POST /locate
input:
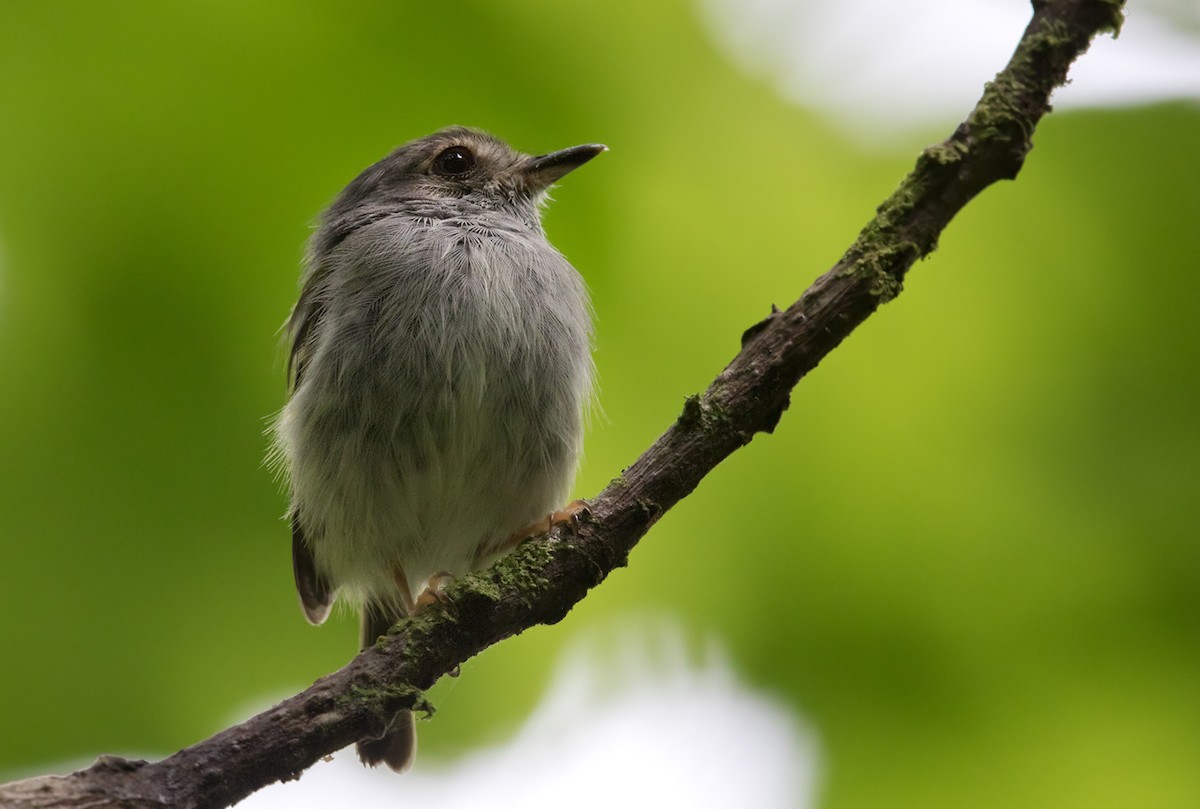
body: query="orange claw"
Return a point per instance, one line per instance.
(568, 514)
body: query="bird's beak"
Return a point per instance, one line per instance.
(540, 172)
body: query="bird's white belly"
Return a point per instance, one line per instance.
(394, 505)
(441, 426)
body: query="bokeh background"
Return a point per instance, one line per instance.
(968, 558)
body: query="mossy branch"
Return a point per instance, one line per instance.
(546, 576)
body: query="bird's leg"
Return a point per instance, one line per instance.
(406, 599)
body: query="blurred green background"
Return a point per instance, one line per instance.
(969, 554)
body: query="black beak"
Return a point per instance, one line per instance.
(544, 170)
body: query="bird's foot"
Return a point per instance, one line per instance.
(570, 514)
(435, 591)
(567, 515)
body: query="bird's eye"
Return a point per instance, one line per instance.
(454, 161)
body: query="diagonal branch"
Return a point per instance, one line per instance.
(545, 577)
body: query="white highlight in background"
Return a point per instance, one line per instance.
(877, 66)
(641, 727)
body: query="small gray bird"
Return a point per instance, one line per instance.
(440, 366)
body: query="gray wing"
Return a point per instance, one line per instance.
(316, 595)
(309, 311)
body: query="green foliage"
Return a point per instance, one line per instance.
(968, 552)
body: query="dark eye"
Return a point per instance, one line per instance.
(454, 160)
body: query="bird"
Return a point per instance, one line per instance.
(440, 369)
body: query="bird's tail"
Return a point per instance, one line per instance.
(398, 747)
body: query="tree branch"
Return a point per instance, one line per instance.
(545, 577)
